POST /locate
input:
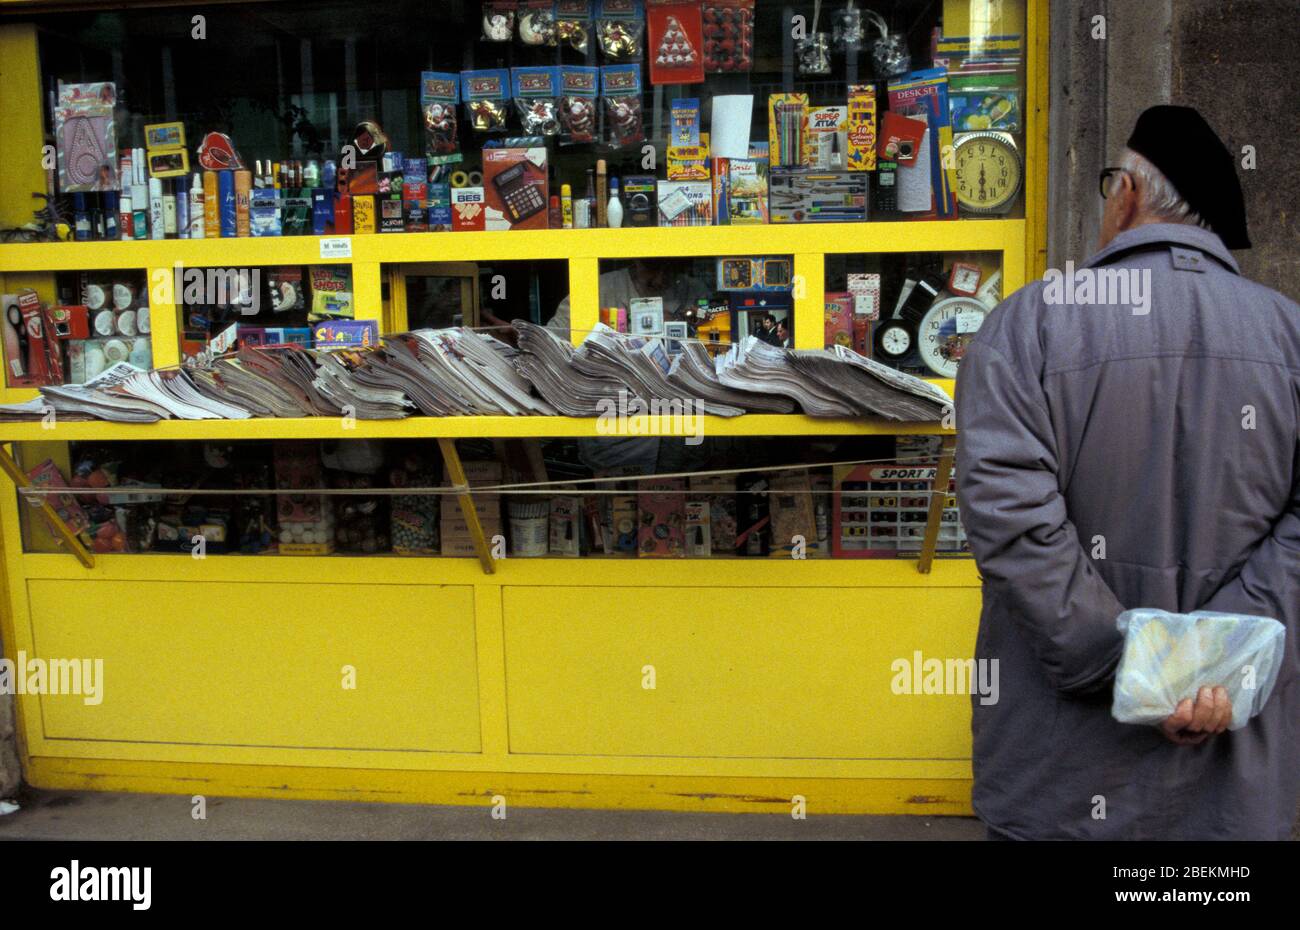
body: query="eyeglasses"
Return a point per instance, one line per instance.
(1106, 175)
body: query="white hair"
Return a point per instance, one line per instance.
(1158, 196)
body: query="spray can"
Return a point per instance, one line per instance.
(211, 206)
(243, 189)
(226, 203)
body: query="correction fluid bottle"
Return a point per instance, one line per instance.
(156, 229)
(614, 209)
(198, 208)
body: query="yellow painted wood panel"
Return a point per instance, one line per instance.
(652, 242)
(247, 664)
(771, 673)
(495, 427)
(912, 795)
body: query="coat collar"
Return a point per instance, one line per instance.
(1174, 234)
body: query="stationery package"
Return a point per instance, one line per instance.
(719, 492)
(566, 527)
(515, 188)
(799, 196)
(787, 126)
(794, 529)
(685, 203)
(662, 507)
(86, 140)
(699, 544)
(924, 95)
(839, 319)
(861, 133)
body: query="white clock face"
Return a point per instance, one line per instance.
(946, 330)
(896, 341)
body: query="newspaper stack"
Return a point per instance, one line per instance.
(549, 364)
(458, 372)
(455, 372)
(870, 388)
(753, 365)
(693, 375)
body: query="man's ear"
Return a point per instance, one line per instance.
(1128, 201)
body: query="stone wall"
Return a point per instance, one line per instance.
(10, 772)
(1234, 62)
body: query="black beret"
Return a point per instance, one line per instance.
(1179, 142)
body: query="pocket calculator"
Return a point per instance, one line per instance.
(521, 198)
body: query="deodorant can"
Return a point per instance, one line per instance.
(226, 199)
(243, 188)
(211, 206)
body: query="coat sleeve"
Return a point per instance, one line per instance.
(1028, 552)
(1268, 583)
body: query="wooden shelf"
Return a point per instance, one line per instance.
(443, 427)
(557, 244)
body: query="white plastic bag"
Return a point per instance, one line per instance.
(1168, 656)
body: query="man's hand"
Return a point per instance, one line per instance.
(1193, 723)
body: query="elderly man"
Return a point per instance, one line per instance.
(1132, 439)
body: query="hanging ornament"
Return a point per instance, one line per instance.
(847, 30)
(813, 51)
(889, 54)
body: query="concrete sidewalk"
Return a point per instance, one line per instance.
(69, 815)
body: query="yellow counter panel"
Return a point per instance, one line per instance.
(700, 672)
(221, 666)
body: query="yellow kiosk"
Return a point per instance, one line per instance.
(523, 678)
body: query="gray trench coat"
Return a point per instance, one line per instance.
(1107, 459)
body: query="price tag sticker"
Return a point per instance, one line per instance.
(672, 205)
(340, 247)
(969, 321)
